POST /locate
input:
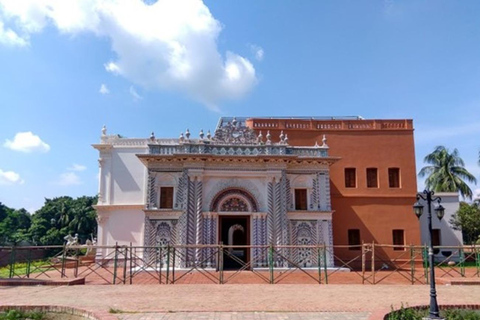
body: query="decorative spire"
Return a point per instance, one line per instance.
(282, 137)
(187, 134)
(324, 142)
(201, 134)
(260, 138)
(209, 135)
(268, 137)
(234, 121)
(286, 139)
(152, 136)
(104, 130)
(181, 138)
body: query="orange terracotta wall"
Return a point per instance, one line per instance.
(362, 144)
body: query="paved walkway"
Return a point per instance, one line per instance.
(248, 316)
(237, 302)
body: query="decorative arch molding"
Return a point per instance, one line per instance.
(225, 184)
(231, 193)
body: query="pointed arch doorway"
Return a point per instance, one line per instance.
(234, 209)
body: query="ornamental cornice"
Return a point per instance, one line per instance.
(111, 207)
(310, 215)
(162, 213)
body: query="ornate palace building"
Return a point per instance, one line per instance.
(261, 181)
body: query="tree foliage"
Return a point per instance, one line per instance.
(446, 172)
(467, 219)
(50, 224)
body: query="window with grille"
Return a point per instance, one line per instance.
(300, 199)
(398, 239)
(354, 239)
(166, 197)
(394, 177)
(372, 178)
(350, 178)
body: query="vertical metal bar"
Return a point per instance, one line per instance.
(270, 263)
(77, 261)
(168, 263)
(131, 261)
(12, 262)
(319, 266)
(412, 264)
(173, 266)
(373, 262)
(325, 271)
(125, 265)
(220, 262)
(160, 267)
(364, 252)
(477, 260)
(64, 253)
(426, 266)
(115, 263)
(462, 262)
(29, 262)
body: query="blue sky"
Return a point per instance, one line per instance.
(69, 67)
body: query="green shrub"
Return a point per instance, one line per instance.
(21, 315)
(405, 313)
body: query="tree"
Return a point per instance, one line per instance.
(14, 224)
(467, 219)
(447, 172)
(62, 216)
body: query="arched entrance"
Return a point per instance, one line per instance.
(234, 207)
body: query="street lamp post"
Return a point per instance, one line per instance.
(440, 211)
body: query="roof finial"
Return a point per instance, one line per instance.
(234, 121)
(324, 142)
(201, 134)
(286, 139)
(268, 137)
(209, 135)
(260, 138)
(181, 138)
(187, 134)
(152, 136)
(282, 137)
(104, 130)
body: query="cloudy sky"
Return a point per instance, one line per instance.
(69, 67)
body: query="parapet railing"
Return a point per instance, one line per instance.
(312, 124)
(368, 263)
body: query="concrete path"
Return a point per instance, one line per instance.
(237, 302)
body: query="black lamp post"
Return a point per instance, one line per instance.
(440, 211)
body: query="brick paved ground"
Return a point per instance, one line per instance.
(248, 316)
(219, 302)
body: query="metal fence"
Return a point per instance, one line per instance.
(369, 263)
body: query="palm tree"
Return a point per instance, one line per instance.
(447, 172)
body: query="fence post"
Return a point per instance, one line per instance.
(425, 263)
(412, 263)
(364, 253)
(373, 262)
(125, 255)
(477, 260)
(131, 261)
(160, 266)
(64, 253)
(173, 265)
(325, 262)
(29, 258)
(115, 263)
(12, 262)
(220, 262)
(270, 263)
(462, 262)
(319, 266)
(168, 263)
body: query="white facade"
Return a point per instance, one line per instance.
(234, 188)
(448, 236)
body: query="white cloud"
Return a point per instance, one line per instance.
(476, 194)
(26, 142)
(9, 37)
(257, 52)
(135, 94)
(104, 89)
(170, 45)
(69, 179)
(77, 167)
(9, 178)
